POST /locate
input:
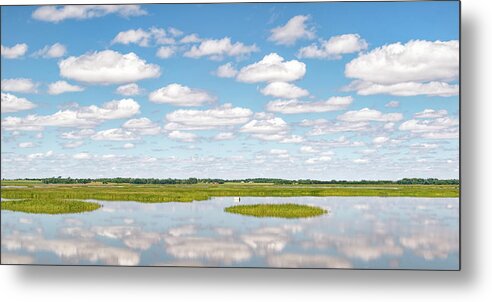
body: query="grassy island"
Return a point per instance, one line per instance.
(285, 210)
(49, 206)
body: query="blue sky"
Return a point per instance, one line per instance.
(313, 90)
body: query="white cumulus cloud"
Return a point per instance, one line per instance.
(404, 89)
(47, 154)
(368, 115)
(219, 48)
(265, 126)
(424, 146)
(82, 156)
(144, 38)
(137, 36)
(182, 136)
(380, 140)
(222, 136)
(415, 61)
(272, 68)
(142, 126)
(446, 134)
(392, 104)
(334, 48)
(308, 149)
(114, 134)
(60, 87)
(14, 52)
(270, 128)
(165, 52)
(12, 103)
(56, 50)
(295, 106)
(192, 38)
(295, 29)
(129, 89)
(26, 145)
(116, 109)
(431, 125)
(107, 67)
(55, 14)
(180, 95)
(19, 85)
(76, 135)
(83, 117)
(418, 67)
(431, 113)
(284, 90)
(318, 160)
(323, 126)
(219, 117)
(226, 71)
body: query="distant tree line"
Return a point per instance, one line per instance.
(193, 180)
(128, 180)
(427, 181)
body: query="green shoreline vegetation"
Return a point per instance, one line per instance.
(204, 191)
(44, 194)
(285, 210)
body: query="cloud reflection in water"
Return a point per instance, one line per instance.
(359, 232)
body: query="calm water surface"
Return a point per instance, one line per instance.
(359, 232)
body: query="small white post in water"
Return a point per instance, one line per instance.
(237, 199)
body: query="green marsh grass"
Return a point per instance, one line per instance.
(49, 206)
(52, 194)
(285, 210)
(188, 193)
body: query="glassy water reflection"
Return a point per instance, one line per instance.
(359, 232)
